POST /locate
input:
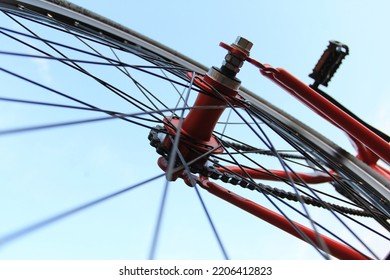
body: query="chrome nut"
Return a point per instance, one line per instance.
(234, 60)
(231, 67)
(243, 44)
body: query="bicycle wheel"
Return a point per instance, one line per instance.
(83, 69)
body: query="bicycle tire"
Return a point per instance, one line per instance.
(328, 151)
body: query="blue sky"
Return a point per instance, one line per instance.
(287, 34)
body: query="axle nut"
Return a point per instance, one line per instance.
(243, 44)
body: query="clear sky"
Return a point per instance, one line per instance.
(287, 34)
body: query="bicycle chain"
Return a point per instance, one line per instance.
(247, 148)
(226, 177)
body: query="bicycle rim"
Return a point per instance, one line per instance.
(147, 82)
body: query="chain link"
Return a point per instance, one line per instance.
(230, 178)
(247, 148)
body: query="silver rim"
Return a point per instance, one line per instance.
(379, 184)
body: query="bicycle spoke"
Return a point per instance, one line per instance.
(226, 124)
(111, 88)
(31, 102)
(123, 69)
(216, 234)
(285, 167)
(269, 145)
(211, 223)
(292, 182)
(270, 173)
(157, 227)
(174, 150)
(52, 43)
(69, 68)
(46, 88)
(113, 115)
(304, 236)
(64, 59)
(46, 222)
(304, 215)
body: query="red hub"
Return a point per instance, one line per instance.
(218, 87)
(196, 133)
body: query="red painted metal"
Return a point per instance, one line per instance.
(381, 170)
(189, 147)
(277, 175)
(326, 109)
(365, 154)
(238, 52)
(198, 126)
(335, 248)
(369, 146)
(200, 122)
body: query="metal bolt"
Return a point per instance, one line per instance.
(233, 60)
(230, 66)
(232, 63)
(243, 43)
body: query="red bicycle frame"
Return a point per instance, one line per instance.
(364, 138)
(199, 125)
